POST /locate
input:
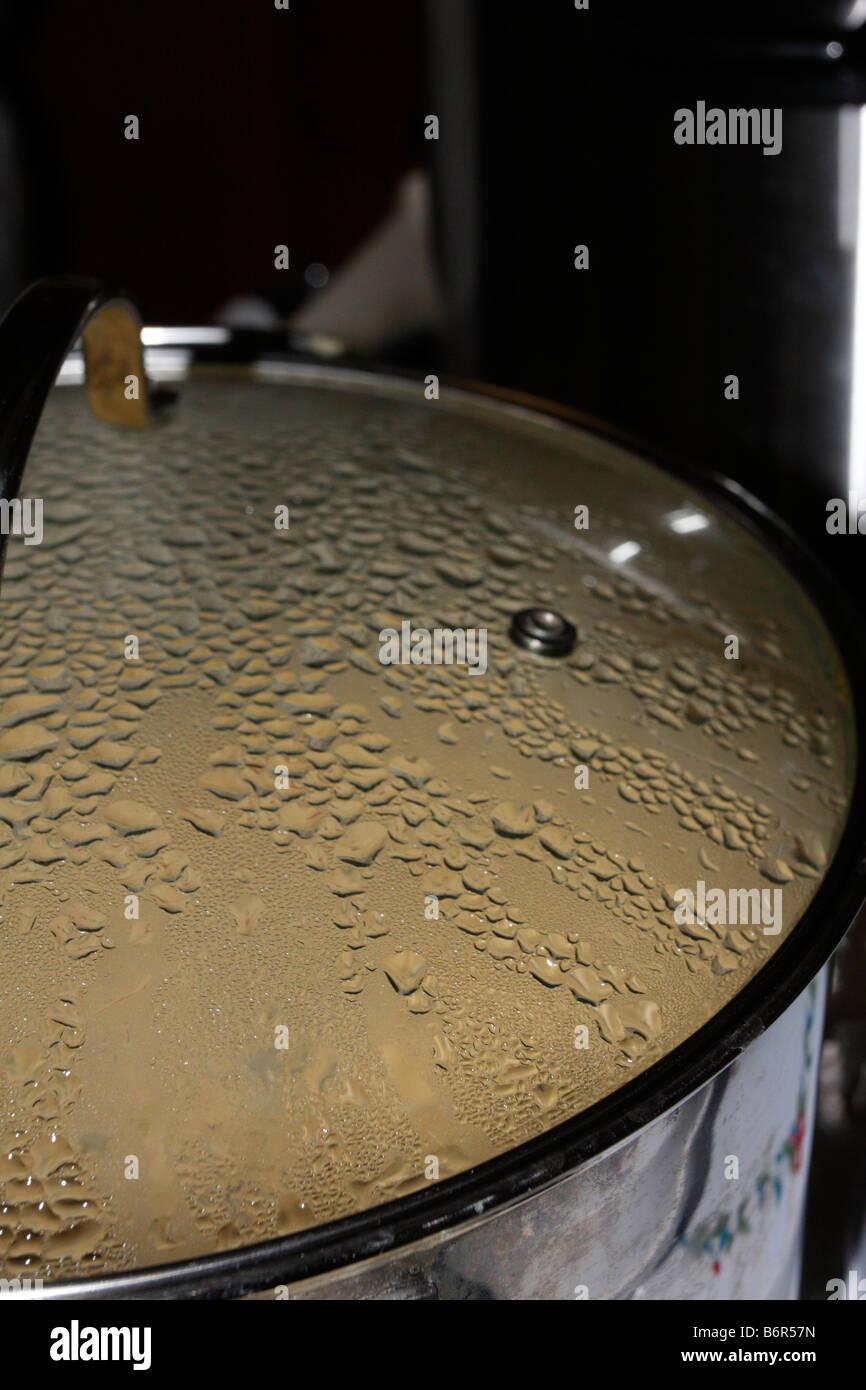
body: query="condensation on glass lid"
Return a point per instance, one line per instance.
(317, 887)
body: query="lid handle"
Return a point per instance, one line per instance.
(35, 337)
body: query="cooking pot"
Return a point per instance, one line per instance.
(686, 1179)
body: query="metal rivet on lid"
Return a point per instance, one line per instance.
(542, 631)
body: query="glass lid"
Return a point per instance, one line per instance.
(384, 780)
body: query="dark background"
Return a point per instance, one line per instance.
(261, 127)
(258, 127)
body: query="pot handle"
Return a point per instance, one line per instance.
(35, 337)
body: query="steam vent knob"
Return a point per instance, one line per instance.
(542, 631)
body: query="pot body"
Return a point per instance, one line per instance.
(707, 1202)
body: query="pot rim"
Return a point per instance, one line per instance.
(521, 1172)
